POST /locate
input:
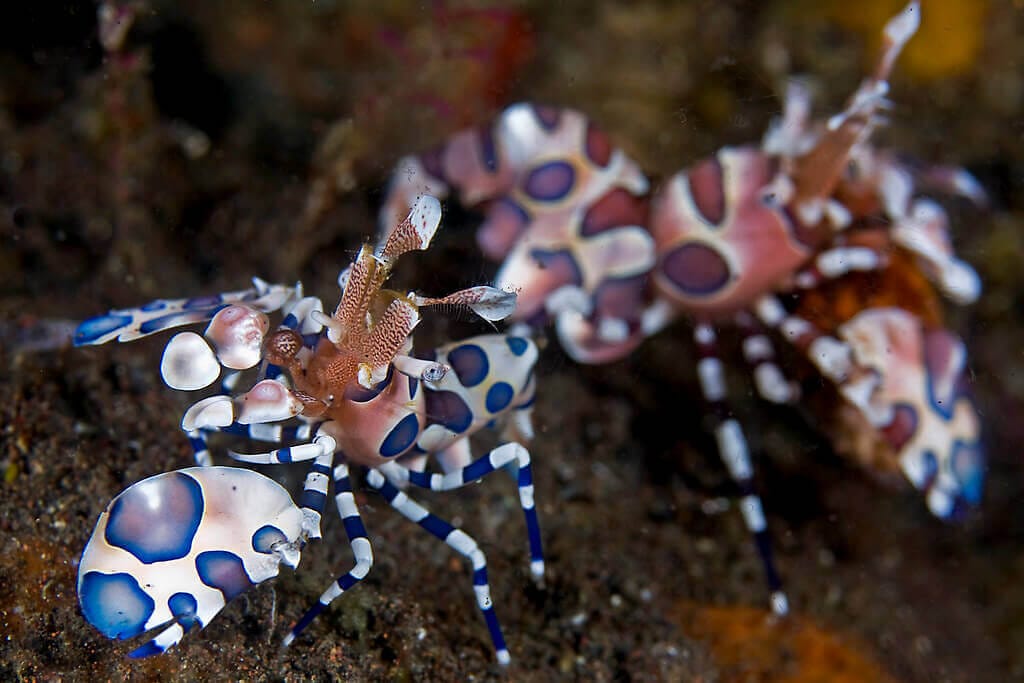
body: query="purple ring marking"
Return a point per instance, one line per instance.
(550, 182)
(696, 269)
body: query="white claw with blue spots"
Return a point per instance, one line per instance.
(170, 551)
(332, 390)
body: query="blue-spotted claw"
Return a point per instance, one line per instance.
(920, 406)
(170, 551)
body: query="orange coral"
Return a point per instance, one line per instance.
(749, 644)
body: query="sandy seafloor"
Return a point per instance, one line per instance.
(110, 199)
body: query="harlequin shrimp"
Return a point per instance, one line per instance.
(590, 249)
(176, 547)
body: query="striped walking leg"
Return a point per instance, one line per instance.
(322, 444)
(459, 541)
(732, 448)
(837, 262)
(314, 495)
(832, 357)
(497, 459)
(269, 432)
(357, 539)
(759, 354)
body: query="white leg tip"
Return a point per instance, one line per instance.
(780, 604)
(504, 658)
(537, 569)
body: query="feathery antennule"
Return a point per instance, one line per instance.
(489, 303)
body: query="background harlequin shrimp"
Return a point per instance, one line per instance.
(101, 214)
(608, 262)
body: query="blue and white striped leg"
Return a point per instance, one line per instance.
(200, 449)
(322, 444)
(459, 540)
(229, 380)
(759, 353)
(300, 317)
(495, 460)
(732, 448)
(361, 549)
(269, 432)
(314, 495)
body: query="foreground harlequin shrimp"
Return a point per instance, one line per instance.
(360, 397)
(716, 244)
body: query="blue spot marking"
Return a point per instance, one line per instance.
(414, 384)
(183, 606)
(290, 321)
(499, 396)
(696, 269)
(156, 519)
(470, 364)
(447, 409)
(115, 604)
(401, 436)
(968, 465)
(94, 328)
(224, 571)
(550, 182)
(157, 305)
(265, 538)
(517, 345)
